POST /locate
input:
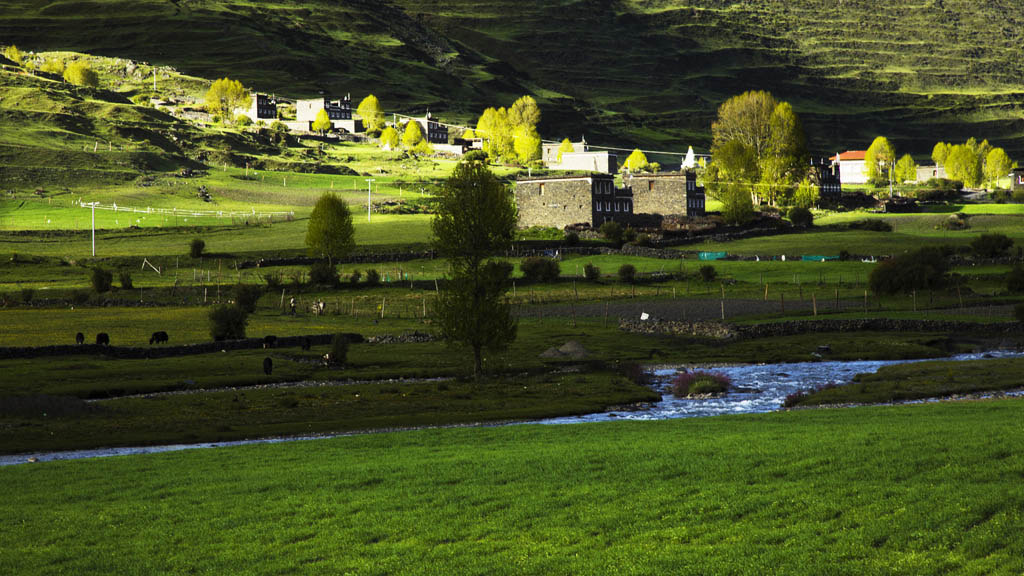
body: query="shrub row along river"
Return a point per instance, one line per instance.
(763, 389)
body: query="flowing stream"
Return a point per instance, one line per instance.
(767, 386)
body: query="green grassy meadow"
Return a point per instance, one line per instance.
(915, 489)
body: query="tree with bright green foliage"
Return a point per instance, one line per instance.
(80, 73)
(53, 66)
(906, 169)
(565, 146)
(322, 122)
(757, 143)
(413, 134)
(997, 165)
(635, 162)
(13, 54)
(389, 137)
(242, 120)
(878, 161)
(939, 153)
(962, 164)
(228, 322)
(369, 110)
(494, 127)
(469, 134)
(527, 144)
(475, 219)
(806, 195)
(330, 232)
(524, 113)
(226, 95)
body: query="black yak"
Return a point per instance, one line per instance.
(269, 341)
(268, 366)
(158, 338)
(79, 338)
(102, 339)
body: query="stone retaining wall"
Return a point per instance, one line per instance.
(725, 331)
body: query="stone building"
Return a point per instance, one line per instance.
(572, 200)
(1017, 180)
(671, 193)
(338, 111)
(262, 107)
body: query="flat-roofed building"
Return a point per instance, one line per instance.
(559, 202)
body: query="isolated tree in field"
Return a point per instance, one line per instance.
(80, 73)
(475, 220)
(330, 233)
(906, 169)
(13, 54)
(636, 161)
(53, 66)
(389, 138)
(322, 123)
(224, 96)
(939, 153)
(565, 146)
(527, 144)
(369, 110)
(524, 113)
(878, 161)
(997, 165)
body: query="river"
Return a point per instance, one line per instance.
(772, 382)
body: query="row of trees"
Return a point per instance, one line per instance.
(510, 134)
(79, 72)
(973, 163)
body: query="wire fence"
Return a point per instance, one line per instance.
(228, 214)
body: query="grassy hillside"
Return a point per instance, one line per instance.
(929, 489)
(644, 71)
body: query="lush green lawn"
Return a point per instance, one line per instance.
(915, 489)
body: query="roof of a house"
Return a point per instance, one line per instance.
(852, 155)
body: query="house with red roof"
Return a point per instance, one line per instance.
(851, 166)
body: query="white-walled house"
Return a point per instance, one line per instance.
(852, 169)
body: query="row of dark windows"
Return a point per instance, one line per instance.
(618, 206)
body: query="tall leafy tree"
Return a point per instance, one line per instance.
(997, 165)
(80, 73)
(878, 160)
(413, 134)
(369, 110)
(636, 161)
(939, 153)
(475, 220)
(329, 232)
(224, 96)
(323, 122)
(962, 164)
(527, 144)
(524, 112)
(906, 169)
(494, 128)
(389, 137)
(13, 54)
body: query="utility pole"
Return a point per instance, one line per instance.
(369, 188)
(93, 206)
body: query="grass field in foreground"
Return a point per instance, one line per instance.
(928, 489)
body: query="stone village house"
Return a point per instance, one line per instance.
(591, 200)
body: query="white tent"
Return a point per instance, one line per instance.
(689, 161)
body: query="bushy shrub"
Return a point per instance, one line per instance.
(79, 297)
(629, 235)
(693, 383)
(708, 273)
(572, 238)
(196, 247)
(539, 269)
(643, 240)
(956, 221)
(27, 294)
(612, 231)
(627, 273)
(1018, 312)
(372, 277)
(273, 281)
(1015, 279)
(339, 349)
(871, 225)
(246, 296)
(354, 277)
(101, 280)
(801, 217)
(991, 245)
(921, 269)
(323, 273)
(591, 272)
(242, 121)
(125, 277)
(227, 322)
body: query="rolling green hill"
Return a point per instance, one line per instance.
(622, 71)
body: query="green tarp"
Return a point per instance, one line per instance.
(809, 258)
(713, 255)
